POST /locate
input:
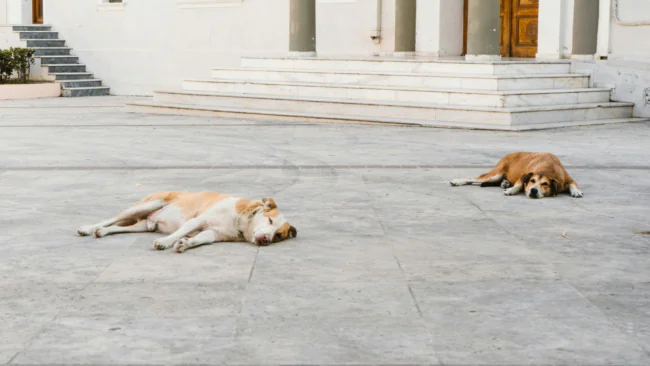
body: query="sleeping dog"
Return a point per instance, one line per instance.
(538, 174)
(193, 219)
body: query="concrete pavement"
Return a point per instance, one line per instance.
(391, 264)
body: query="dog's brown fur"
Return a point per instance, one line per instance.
(539, 174)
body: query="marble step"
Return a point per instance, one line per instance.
(413, 65)
(81, 83)
(52, 51)
(58, 60)
(86, 92)
(60, 76)
(403, 94)
(403, 110)
(29, 35)
(45, 43)
(274, 115)
(447, 81)
(31, 27)
(66, 68)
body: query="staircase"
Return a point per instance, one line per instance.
(501, 95)
(58, 63)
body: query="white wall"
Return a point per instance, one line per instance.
(155, 44)
(630, 35)
(439, 29)
(346, 27)
(18, 12)
(3, 12)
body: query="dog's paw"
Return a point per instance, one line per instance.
(576, 194)
(161, 244)
(505, 184)
(182, 245)
(457, 182)
(510, 192)
(101, 232)
(86, 231)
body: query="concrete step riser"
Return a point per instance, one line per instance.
(86, 92)
(52, 52)
(434, 97)
(462, 83)
(60, 77)
(410, 66)
(27, 28)
(399, 112)
(46, 43)
(39, 35)
(81, 84)
(67, 68)
(45, 60)
(271, 116)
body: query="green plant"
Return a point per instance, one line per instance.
(6, 65)
(23, 58)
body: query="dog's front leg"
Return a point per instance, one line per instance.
(189, 227)
(204, 237)
(514, 190)
(575, 192)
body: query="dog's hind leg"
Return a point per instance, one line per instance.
(139, 227)
(136, 212)
(494, 177)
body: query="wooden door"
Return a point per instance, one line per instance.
(519, 20)
(37, 11)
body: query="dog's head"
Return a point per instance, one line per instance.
(269, 226)
(539, 185)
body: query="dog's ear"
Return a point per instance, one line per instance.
(526, 178)
(293, 232)
(554, 187)
(269, 204)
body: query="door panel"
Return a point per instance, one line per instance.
(37, 11)
(525, 15)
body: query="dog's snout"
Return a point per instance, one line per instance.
(263, 240)
(533, 192)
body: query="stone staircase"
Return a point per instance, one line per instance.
(58, 63)
(510, 95)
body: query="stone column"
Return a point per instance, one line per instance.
(585, 29)
(484, 30)
(302, 28)
(405, 18)
(439, 29)
(550, 37)
(604, 47)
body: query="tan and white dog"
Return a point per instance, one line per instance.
(539, 174)
(193, 219)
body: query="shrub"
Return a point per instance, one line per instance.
(23, 59)
(6, 65)
(17, 60)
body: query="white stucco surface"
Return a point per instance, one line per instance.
(155, 44)
(346, 27)
(631, 31)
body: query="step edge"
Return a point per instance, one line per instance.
(402, 88)
(441, 124)
(407, 104)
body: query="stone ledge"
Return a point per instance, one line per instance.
(29, 91)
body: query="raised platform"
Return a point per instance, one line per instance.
(512, 94)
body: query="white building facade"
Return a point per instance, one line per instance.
(138, 46)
